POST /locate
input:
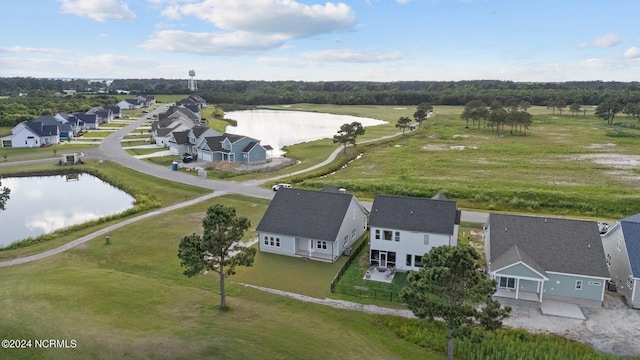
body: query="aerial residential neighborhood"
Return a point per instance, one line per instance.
(289, 179)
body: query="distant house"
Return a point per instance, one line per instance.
(115, 110)
(129, 104)
(537, 258)
(197, 134)
(104, 114)
(403, 229)
(146, 100)
(88, 121)
(193, 100)
(42, 131)
(231, 148)
(622, 252)
(318, 225)
(178, 142)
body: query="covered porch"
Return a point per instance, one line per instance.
(319, 250)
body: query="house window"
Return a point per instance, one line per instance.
(271, 241)
(507, 282)
(595, 283)
(578, 284)
(246, 156)
(397, 237)
(409, 258)
(618, 245)
(426, 239)
(353, 233)
(388, 234)
(417, 261)
(377, 234)
(321, 244)
(346, 240)
(608, 259)
(630, 282)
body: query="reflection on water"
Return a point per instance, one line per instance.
(42, 204)
(282, 128)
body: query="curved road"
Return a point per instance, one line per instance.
(111, 149)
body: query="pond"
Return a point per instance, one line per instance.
(280, 128)
(42, 204)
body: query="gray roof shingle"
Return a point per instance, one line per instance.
(414, 214)
(557, 245)
(314, 215)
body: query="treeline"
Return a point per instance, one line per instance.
(16, 109)
(353, 92)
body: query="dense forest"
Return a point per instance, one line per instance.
(625, 95)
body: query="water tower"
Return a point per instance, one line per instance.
(192, 81)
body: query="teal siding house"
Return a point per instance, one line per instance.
(539, 258)
(232, 148)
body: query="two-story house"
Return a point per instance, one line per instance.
(403, 229)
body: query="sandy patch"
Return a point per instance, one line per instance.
(433, 147)
(615, 160)
(601, 146)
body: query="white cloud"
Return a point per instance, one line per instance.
(632, 53)
(606, 40)
(79, 65)
(232, 43)
(283, 17)
(353, 56)
(172, 12)
(20, 49)
(99, 10)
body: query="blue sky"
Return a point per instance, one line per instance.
(323, 40)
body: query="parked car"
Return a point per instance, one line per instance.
(187, 158)
(281, 186)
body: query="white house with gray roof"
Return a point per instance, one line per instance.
(317, 225)
(403, 229)
(537, 258)
(622, 252)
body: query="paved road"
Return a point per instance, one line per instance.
(111, 149)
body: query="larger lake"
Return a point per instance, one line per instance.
(42, 204)
(280, 128)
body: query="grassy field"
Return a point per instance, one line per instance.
(130, 300)
(564, 165)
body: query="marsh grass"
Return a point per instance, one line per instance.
(548, 170)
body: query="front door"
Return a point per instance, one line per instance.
(383, 259)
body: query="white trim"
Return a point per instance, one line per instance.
(581, 275)
(526, 265)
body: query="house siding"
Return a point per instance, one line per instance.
(564, 285)
(354, 219)
(257, 155)
(411, 243)
(615, 249)
(519, 270)
(287, 244)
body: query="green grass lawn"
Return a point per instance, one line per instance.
(130, 300)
